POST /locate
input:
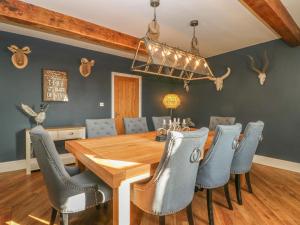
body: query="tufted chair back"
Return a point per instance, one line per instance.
(218, 120)
(51, 165)
(172, 187)
(243, 157)
(158, 121)
(214, 170)
(100, 127)
(135, 125)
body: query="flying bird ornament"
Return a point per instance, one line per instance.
(39, 117)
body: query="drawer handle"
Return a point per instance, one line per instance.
(71, 133)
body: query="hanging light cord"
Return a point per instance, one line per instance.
(154, 19)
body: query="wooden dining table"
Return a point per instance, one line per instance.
(120, 161)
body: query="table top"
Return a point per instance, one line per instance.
(118, 158)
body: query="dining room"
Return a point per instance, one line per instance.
(145, 112)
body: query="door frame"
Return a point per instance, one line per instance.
(113, 74)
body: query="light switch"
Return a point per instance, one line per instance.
(101, 104)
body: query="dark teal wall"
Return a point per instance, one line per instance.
(277, 103)
(25, 86)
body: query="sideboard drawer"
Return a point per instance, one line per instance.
(69, 134)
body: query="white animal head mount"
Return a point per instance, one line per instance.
(219, 80)
(19, 57)
(262, 73)
(85, 68)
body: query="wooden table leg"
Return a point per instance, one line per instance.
(121, 204)
(121, 201)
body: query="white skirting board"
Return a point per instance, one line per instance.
(68, 159)
(21, 164)
(277, 163)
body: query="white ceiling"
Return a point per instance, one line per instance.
(224, 25)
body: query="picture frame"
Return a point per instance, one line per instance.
(55, 86)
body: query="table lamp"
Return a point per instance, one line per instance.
(171, 101)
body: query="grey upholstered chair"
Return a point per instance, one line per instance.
(100, 127)
(243, 157)
(158, 121)
(218, 120)
(171, 189)
(135, 125)
(214, 169)
(67, 194)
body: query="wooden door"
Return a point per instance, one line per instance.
(126, 99)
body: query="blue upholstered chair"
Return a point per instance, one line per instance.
(214, 169)
(171, 189)
(67, 194)
(158, 121)
(219, 120)
(100, 127)
(135, 125)
(243, 157)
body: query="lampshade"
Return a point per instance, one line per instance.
(171, 101)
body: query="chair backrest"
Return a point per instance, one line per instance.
(218, 120)
(174, 181)
(243, 157)
(214, 169)
(158, 121)
(100, 127)
(50, 164)
(135, 125)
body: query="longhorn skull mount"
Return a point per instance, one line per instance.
(19, 57)
(262, 73)
(85, 67)
(220, 80)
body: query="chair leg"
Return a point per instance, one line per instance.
(210, 207)
(189, 212)
(64, 219)
(162, 220)
(53, 216)
(247, 175)
(238, 188)
(227, 195)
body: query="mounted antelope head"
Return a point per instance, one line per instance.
(85, 68)
(261, 72)
(219, 80)
(19, 57)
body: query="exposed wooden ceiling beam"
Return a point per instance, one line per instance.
(21, 13)
(275, 15)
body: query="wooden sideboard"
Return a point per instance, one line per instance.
(57, 134)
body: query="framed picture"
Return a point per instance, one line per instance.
(55, 86)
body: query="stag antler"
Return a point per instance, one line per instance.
(253, 64)
(267, 62)
(13, 48)
(26, 50)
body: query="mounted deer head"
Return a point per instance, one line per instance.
(219, 80)
(85, 68)
(19, 57)
(261, 73)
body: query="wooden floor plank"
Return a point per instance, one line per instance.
(276, 201)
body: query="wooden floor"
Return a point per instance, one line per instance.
(276, 201)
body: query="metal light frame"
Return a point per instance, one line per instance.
(166, 61)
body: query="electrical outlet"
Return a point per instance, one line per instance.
(101, 104)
